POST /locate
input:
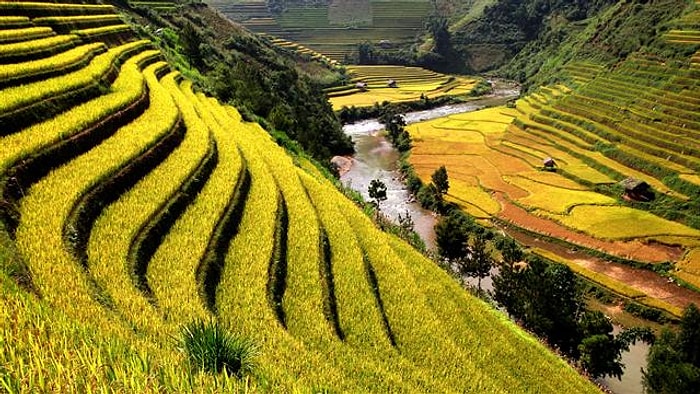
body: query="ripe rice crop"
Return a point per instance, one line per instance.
(114, 231)
(40, 237)
(473, 199)
(551, 179)
(20, 49)
(241, 300)
(412, 83)
(556, 199)
(361, 322)
(126, 89)
(74, 56)
(17, 97)
(25, 34)
(195, 229)
(41, 8)
(613, 222)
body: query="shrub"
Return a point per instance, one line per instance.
(210, 348)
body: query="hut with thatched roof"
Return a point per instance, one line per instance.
(637, 189)
(549, 164)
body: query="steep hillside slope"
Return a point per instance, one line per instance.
(334, 28)
(246, 70)
(133, 204)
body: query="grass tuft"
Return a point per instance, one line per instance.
(211, 349)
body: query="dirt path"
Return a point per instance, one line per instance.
(649, 282)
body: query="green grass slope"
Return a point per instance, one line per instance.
(133, 204)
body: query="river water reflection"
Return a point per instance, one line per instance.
(375, 158)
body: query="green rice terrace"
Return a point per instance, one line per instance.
(335, 29)
(133, 205)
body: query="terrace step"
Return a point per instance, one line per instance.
(36, 49)
(31, 154)
(9, 36)
(160, 131)
(66, 24)
(35, 70)
(64, 281)
(13, 22)
(35, 9)
(27, 104)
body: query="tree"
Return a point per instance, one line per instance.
(438, 27)
(452, 235)
(365, 53)
(671, 364)
(393, 122)
(377, 191)
(510, 250)
(190, 40)
(689, 335)
(478, 261)
(440, 180)
(600, 350)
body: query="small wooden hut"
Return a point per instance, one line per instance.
(361, 85)
(637, 189)
(549, 164)
(392, 84)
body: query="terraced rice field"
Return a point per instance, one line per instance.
(138, 205)
(303, 51)
(337, 28)
(412, 83)
(638, 120)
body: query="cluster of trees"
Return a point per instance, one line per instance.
(443, 57)
(546, 299)
(395, 124)
(673, 362)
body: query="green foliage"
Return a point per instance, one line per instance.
(601, 351)
(209, 348)
(377, 191)
(256, 77)
(452, 234)
(673, 364)
(440, 180)
(190, 40)
(477, 262)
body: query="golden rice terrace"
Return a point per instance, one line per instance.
(132, 205)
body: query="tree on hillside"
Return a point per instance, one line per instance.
(438, 25)
(547, 300)
(190, 40)
(673, 361)
(477, 262)
(452, 234)
(377, 192)
(600, 350)
(440, 180)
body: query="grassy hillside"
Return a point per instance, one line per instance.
(132, 204)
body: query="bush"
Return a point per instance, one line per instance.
(209, 348)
